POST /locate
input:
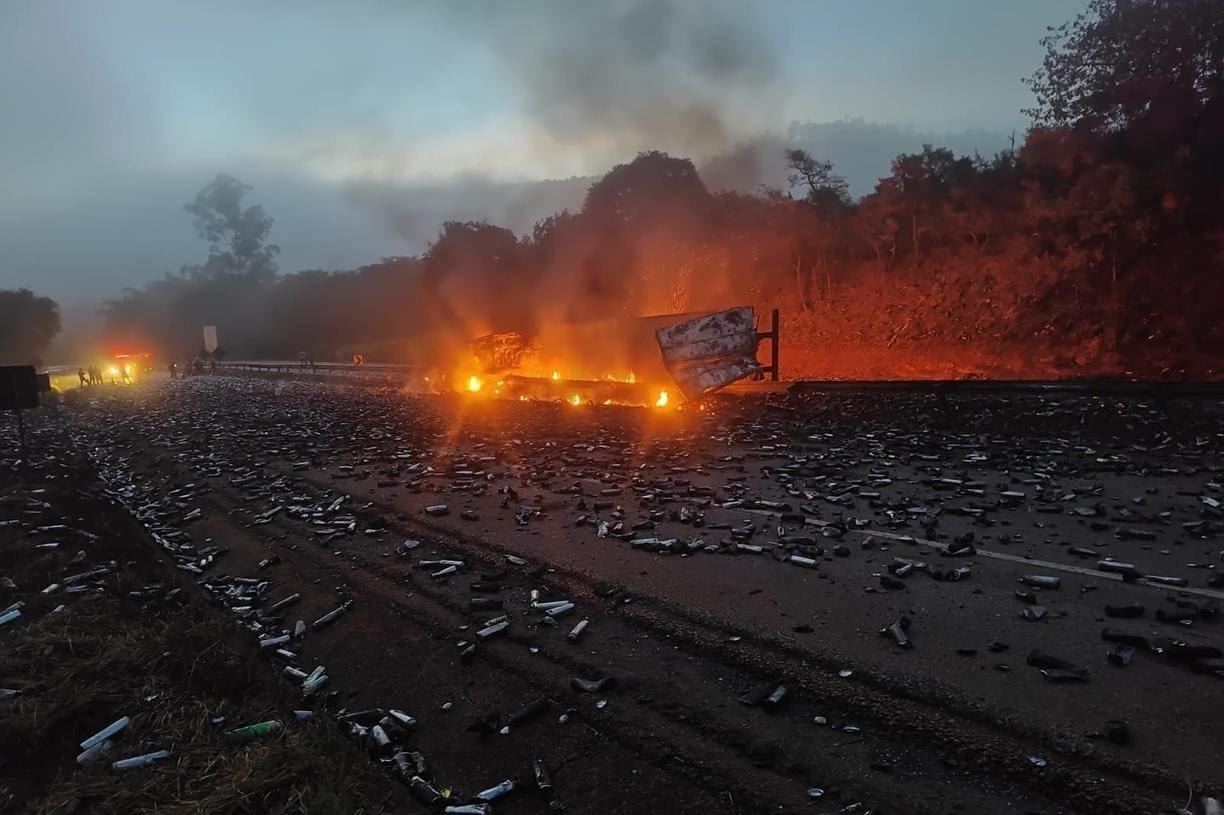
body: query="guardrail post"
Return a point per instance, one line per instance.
(773, 352)
(772, 336)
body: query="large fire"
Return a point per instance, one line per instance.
(642, 361)
(550, 385)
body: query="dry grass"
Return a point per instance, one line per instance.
(170, 672)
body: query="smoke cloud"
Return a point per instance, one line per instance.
(610, 79)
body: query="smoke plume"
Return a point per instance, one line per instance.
(607, 80)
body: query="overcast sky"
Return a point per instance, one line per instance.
(363, 124)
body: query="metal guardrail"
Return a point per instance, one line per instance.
(1100, 387)
(329, 369)
(1085, 387)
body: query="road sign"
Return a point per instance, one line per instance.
(18, 387)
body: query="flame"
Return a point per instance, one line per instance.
(560, 384)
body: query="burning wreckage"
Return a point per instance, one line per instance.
(694, 353)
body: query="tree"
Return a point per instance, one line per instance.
(237, 236)
(827, 192)
(653, 185)
(919, 191)
(1115, 61)
(475, 272)
(228, 289)
(28, 323)
(641, 230)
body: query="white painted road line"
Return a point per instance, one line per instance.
(1043, 564)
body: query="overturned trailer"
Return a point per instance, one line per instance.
(628, 360)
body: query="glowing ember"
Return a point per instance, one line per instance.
(662, 400)
(556, 375)
(474, 384)
(575, 400)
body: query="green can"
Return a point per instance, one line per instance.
(253, 732)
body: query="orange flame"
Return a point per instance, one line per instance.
(662, 400)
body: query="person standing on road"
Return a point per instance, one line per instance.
(81, 376)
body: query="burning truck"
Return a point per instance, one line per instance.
(657, 360)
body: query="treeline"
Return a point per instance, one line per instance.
(1093, 247)
(28, 323)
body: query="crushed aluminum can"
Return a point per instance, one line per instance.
(899, 631)
(380, 738)
(281, 604)
(560, 610)
(424, 792)
(106, 732)
(136, 762)
(492, 630)
(542, 779)
(331, 616)
(496, 791)
(92, 754)
(272, 642)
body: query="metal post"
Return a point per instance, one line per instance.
(773, 351)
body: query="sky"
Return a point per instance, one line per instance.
(362, 125)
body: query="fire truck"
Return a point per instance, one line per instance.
(126, 367)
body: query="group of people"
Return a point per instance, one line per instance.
(190, 367)
(93, 375)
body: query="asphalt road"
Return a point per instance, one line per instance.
(588, 501)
